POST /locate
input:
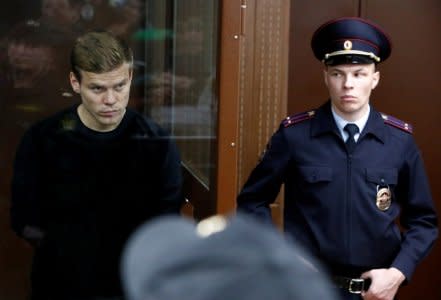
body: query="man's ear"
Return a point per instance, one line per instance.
(376, 79)
(130, 74)
(74, 82)
(325, 77)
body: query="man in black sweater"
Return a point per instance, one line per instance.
(86, 177)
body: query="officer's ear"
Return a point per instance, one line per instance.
(375, 79)
(325, 73)
(74, 82)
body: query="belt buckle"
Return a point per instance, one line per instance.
(356, 285)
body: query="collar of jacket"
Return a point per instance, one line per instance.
(324, 123)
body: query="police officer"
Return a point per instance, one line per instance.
(349, 173)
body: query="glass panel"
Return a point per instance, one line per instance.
(174, 42)
(180, 85)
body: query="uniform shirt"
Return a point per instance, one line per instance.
(341, 123)
(330, 196)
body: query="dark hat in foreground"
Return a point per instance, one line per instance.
(220, 258)
(350, 40)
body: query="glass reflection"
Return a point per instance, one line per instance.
(180, 87)
(174, 43)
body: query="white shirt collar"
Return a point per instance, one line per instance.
(341, 123)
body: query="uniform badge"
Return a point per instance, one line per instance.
(384, 197)
(347, 45)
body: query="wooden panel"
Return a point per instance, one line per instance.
(410, 89)
(253, 85)
(226, 182)
(263, 82)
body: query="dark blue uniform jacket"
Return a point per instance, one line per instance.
(330, 196)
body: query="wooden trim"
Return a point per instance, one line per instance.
(253, 88)
(230, 36)
(264, 84)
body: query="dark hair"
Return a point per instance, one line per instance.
(99, 52)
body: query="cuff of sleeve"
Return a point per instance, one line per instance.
(406, 265)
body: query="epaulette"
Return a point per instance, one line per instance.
(297, 118)
(392, 121)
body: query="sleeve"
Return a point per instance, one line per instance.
(171, 178)
(264, 182)
(25, 208)
(418, 217)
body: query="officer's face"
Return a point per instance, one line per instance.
(104, 97)
(350, 87)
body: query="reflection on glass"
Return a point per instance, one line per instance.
(180, 85)
(35, 42)
(174, 43)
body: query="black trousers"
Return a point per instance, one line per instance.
(345, 295)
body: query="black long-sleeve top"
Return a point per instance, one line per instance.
(87, 191)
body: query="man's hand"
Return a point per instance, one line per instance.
(385, 283)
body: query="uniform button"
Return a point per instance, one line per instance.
(382, 180)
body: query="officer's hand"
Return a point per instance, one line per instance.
(33, 235)
(385, 283)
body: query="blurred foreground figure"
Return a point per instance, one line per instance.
(236, 258)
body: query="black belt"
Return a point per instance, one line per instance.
(352, 285)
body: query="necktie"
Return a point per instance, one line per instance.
(351, 129)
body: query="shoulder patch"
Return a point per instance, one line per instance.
(392, 121)
(297, 118)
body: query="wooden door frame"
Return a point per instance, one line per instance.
(253, 81)
(226, 183)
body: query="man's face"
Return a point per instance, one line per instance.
(350, 87)
(104, 97)
(29, 64)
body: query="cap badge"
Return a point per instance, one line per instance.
(211, 225)
(347, 45)
(384, 198)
